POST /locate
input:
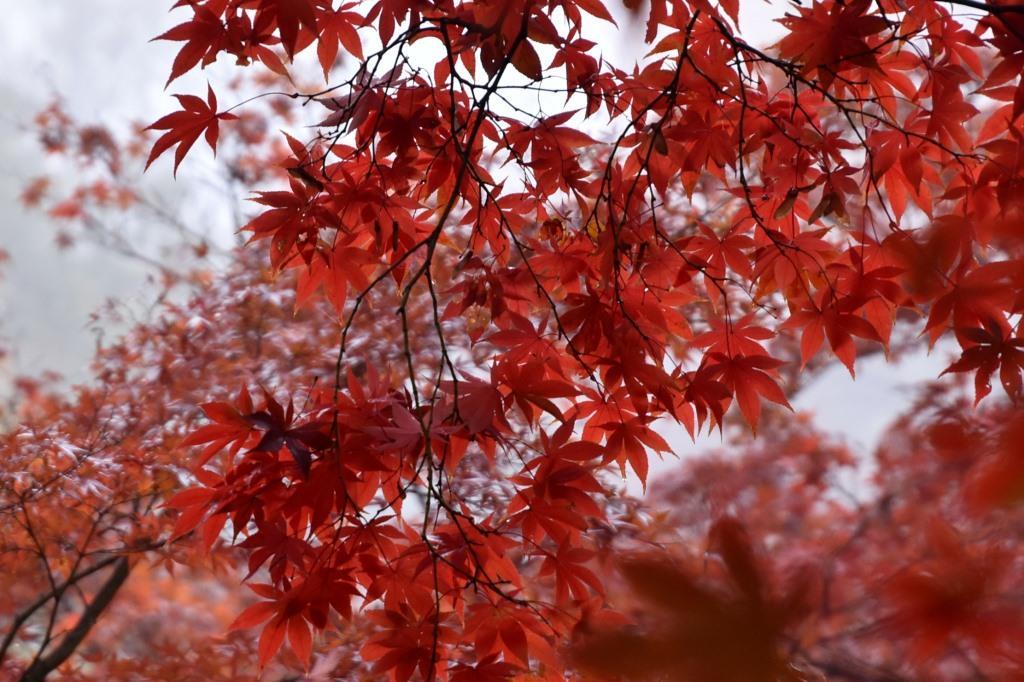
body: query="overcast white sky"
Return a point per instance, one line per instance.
(96, 55)
(89, 52)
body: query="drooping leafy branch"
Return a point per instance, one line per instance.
(815, 189)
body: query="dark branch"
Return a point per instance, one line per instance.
(27, 612)
(44, 665)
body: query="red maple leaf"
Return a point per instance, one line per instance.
(184, 127)
(987, 349)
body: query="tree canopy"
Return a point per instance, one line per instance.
(486, 265)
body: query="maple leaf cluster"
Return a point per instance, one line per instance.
(511, 261)
(88, 473)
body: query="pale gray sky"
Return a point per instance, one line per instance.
(96, 55)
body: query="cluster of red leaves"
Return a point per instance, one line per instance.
(87, 475)
(918, 578)
(184, 127)
(84, 477)
(554, 289)
(598, 290)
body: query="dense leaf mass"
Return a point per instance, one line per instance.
(480, 286)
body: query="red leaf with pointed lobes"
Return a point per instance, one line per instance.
(986, 349)
(825, 35)
(839, 327)
(742, 337)
(595, 8)
(254, 615)
(184, 127)
(527, 61)
(291, 17)
(338, 27)
(749, 379)
(300, 638)
(628, 442)
(271, 640)
(479, 404)
(732, 9)
(573, 580)
(204, 36)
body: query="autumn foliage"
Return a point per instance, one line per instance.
(487, 267)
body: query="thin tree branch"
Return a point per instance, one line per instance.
(44, 665)
(27, 612)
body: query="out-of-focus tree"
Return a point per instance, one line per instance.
(781, 560)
